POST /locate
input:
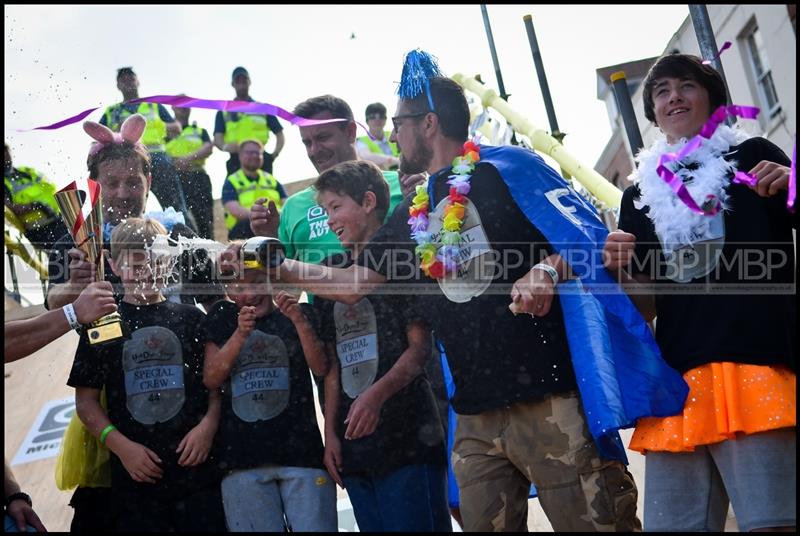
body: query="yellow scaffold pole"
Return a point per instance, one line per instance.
(543, 142)
(16, 247)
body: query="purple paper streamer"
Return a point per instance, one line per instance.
(680, 190)
(719, 115)
(676, 184)
(745, 178)
(725, 46)
(191, 102)
(790, 199)
(63, 122)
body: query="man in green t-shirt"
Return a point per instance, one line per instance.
(302, 226)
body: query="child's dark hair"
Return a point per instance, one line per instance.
(354, 179)
(684, 67)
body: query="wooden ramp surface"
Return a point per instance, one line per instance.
(29, 384)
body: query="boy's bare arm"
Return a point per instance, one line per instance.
(219, 362)
(81, 273)
(365, 411)
(196, 444)
(23, 337)
(313, 349)
(140, 462)
(618, 252)
(333, 446)
(18, 509)
(91, 413)
(347, 285)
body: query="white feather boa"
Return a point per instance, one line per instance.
(674, 222)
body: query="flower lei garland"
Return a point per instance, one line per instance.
(437, 263)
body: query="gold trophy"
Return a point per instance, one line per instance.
(82, 212)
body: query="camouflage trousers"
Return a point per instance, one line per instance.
(497, 454)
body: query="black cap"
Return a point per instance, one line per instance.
(125, 70)
(239, 71)
(376, 108)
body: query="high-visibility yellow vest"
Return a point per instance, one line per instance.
(374, 147)
(189, 141)
(249, 191)
(245, 127)
(154, 133)
(27, 187)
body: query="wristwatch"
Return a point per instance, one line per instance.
(18, 496)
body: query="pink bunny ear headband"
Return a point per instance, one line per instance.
(131, 131)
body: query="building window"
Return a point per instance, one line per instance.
(762, 73)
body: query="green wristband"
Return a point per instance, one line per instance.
(107, 430)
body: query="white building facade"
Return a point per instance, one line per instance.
(760, 70)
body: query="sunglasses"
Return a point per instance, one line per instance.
(396, 118)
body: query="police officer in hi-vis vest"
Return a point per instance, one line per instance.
(376, 147)
(166, 186)
(232, 128)
(244, 187)
(29, 195)
(189, 152)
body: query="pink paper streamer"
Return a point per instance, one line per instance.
(676, 184)
(725, 46)
(719, 115)
(745, 178)
(191, 102)
(792, 179)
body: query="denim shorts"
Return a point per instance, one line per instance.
(274, 498)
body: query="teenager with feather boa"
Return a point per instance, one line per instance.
(720, 282)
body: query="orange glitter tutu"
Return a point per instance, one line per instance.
(724, 399)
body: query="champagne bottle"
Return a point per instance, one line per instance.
(261, 252)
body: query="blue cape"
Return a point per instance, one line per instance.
(620, 372)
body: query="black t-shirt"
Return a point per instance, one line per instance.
(155, 392)
(268, 413)
(370, 337)
(744, 310)
(496, 358)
